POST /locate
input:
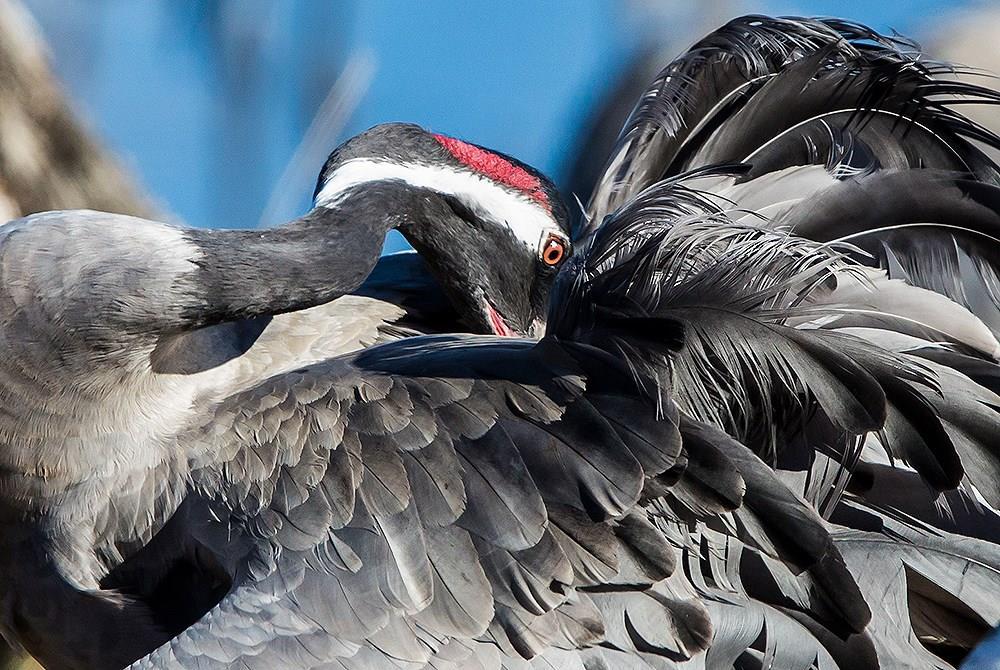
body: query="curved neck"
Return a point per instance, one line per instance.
(309, 261)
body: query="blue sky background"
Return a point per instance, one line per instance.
(208, 101)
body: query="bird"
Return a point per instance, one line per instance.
(116, 327)
(164, 489)
(441, 498)
(681, 472)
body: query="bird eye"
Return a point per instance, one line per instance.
(553, 251)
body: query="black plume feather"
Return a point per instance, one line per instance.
(781, 92)
(729, 290)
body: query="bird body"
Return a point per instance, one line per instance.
(240, 453)
(120, 333)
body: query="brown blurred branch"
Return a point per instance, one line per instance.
(47, 158)
(11, 661)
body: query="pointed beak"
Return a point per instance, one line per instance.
(497, 322)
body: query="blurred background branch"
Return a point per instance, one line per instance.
(47, 158)
(327, 126)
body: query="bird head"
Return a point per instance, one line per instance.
(493, 230)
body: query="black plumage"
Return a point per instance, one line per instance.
(845, 152)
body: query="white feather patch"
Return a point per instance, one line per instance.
(525, 219)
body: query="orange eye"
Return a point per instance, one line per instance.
(554, 251)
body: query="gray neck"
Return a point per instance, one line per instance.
(310, 261)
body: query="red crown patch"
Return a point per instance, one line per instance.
(496, 168)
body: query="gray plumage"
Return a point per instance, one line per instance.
(428, 501)
(120, 333)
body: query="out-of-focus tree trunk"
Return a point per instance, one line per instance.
(48, 160)
(971, 39)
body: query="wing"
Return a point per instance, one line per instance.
(797, 350)
(852, 139)
(385, 500)
(451, 501)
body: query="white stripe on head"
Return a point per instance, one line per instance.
(487, 199)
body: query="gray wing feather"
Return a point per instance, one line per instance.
(395, 513)
(334, 575)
